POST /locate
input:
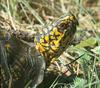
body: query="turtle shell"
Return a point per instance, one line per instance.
(21, 65)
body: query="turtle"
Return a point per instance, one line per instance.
(24, 66)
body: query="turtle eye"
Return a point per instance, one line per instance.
(63, 26)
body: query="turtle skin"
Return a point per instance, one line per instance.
(56, 41)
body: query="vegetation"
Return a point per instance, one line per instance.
(37, 16)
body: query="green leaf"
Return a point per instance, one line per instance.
(88, 42)
(79, 83)
(96, 50)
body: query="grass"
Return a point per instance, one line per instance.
(87, 42)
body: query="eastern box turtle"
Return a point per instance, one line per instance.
(23, 66)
